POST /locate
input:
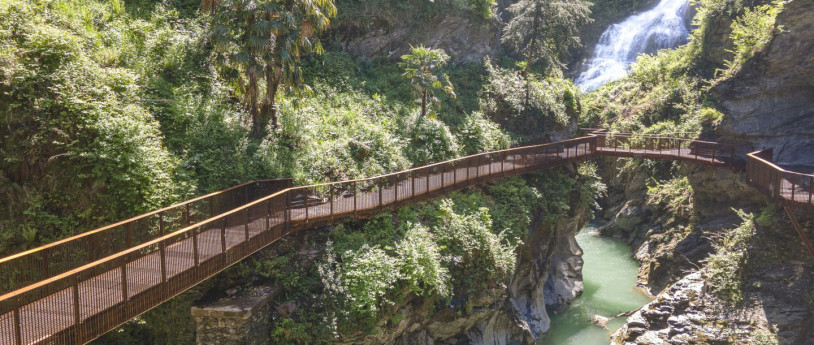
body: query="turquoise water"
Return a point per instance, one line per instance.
(610, 276)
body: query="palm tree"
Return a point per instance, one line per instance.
(422, 68)
(267, 39)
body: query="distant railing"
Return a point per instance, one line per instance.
(665, 147)
(786, 187)
(28, 267)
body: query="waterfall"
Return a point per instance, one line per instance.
(620, 44)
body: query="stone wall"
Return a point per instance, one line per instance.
(242, 319)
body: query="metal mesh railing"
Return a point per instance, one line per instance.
(78, 305)
(28, 267)
(787, 187)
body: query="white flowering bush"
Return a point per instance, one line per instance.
(477, 258)
(419, 260)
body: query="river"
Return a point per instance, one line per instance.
(609, 275)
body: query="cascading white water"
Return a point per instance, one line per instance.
(659, 28)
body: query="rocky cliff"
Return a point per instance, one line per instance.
(548, 275)
(770, 101)
(389, 32)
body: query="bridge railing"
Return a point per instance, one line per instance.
(658, 146)
(28, 267)
(78, 305)
(786, 187)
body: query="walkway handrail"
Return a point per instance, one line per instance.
(78, 305)
(145, 275)
(24, 268)
(659, 147)
(783, 186)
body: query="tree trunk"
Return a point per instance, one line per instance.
(424, 104)
(273, 75)
(252, 94)
(209, 6)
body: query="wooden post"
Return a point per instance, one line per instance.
(427, 186)
(75, 289)
(810, 189)
(186, 214)
(195, 256)
(468, 167)
(268, 214)
(332, 200)
(355, 196)
(162, 249)
(124, 279)
(287, 212)
(412, 183)
(396, 191)
(246, 225)
(381, 187)
(161, 223)
(454, 173)
(793, 186)
(442, 177)
(211, 206)
(18, 334)
(223, 239)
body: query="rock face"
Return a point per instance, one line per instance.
(770, 101)
(547, 277)
(687, 313)
(463, 38)
(665, 245)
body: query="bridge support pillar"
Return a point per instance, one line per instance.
(242, 320)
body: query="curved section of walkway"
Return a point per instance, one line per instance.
(78, 305)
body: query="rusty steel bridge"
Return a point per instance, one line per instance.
(74, 290)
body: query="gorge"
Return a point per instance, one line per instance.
(351, 231)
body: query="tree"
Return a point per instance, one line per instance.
(422, 67)
(544, 30)
(267, 39)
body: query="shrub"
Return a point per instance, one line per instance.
(430, 141)
(478, 259)
(725, 268)
(419, 260)
(528, 107)
(478, 134)
(750, 33)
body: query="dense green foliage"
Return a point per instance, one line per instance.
(80, 148)
(528, 105)
(116, 108)
(542, 31)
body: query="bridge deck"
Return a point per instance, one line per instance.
(78, 305)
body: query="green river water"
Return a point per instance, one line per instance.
(610, 276)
